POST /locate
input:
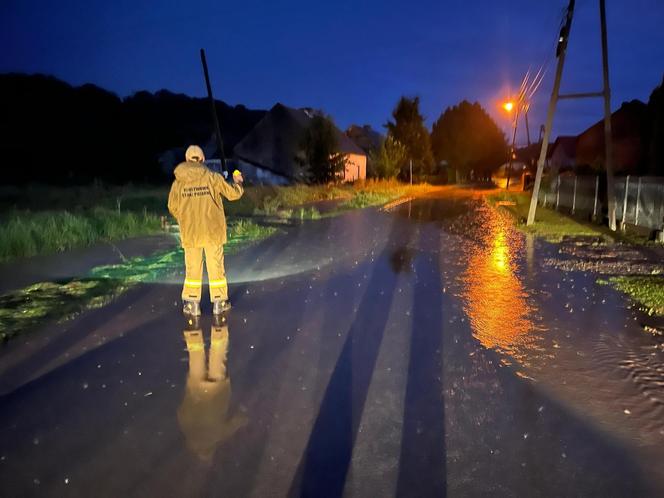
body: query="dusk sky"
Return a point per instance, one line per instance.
(353, 59)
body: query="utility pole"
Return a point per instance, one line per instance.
(562, 49)
(608, 146)
(411, 171)
(513, 149)
(555, 96)
(525, 115)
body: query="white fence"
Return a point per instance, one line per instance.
(639, 199)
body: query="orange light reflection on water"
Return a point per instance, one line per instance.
(496, 301)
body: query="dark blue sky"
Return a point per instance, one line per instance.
(351, 58)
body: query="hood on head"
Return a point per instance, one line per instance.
(194, 154)
(187, 171)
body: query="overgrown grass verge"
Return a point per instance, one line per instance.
(646, 290)
(291, 201)
(366, 199)
(549, 224)
(44, 220)
(35, 197)
(26, 233)
(25, 309)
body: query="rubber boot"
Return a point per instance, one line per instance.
(219, 306)
(192, 308)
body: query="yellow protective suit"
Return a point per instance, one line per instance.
(195, 200)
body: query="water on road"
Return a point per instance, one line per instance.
(422, 351)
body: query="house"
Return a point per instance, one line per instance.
(517, 174)
(271, 152)
(628, 129)
(365, 137)
(562, 153)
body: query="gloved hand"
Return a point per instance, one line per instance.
(237, 177)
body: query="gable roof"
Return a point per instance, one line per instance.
(567, 144)
(628, 131)
(274, 143)
(364, 137)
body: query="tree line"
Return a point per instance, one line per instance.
(53, 132)
(466, 139)
(463, 139)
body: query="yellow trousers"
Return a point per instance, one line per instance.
(193, 282)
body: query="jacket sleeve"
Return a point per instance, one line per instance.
(231, 192)
(174, 199)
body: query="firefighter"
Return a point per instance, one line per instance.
(195, 200)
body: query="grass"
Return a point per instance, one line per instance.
(368, 198)
(129, 197)
(40, 220)
(647, 291)
(549, 224)
(25, 309)
(292, 201)
(27, 233)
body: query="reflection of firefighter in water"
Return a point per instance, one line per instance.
(195, 201)
(203, 414)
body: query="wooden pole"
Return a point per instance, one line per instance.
(596, 194)
(636, 209)
(549, 117)
(513, 150)
(624, 215)
(608, 145)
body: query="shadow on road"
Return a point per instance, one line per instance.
(422, 463)
(324, 466)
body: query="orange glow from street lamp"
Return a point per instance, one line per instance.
(508, 106)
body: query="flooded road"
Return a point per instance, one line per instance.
(422, 351)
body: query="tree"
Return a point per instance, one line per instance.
(408, 129)
(321, 150)
(656, 131)
(468, 139)
(389, 158)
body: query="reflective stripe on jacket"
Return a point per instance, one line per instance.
(195, 202)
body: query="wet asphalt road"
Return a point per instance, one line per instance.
(425, 351)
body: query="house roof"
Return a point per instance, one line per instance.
(275, 141)
(628, 128)
(567, 143)
(365, 137)
(529, 154)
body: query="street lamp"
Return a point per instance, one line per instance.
(508, 106)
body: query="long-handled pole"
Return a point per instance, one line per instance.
(220, 142)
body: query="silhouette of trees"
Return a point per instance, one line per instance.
(53, 132)
(321, 150)
(468, 139)
(389, 158)
(408, 129)
(656, 131)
